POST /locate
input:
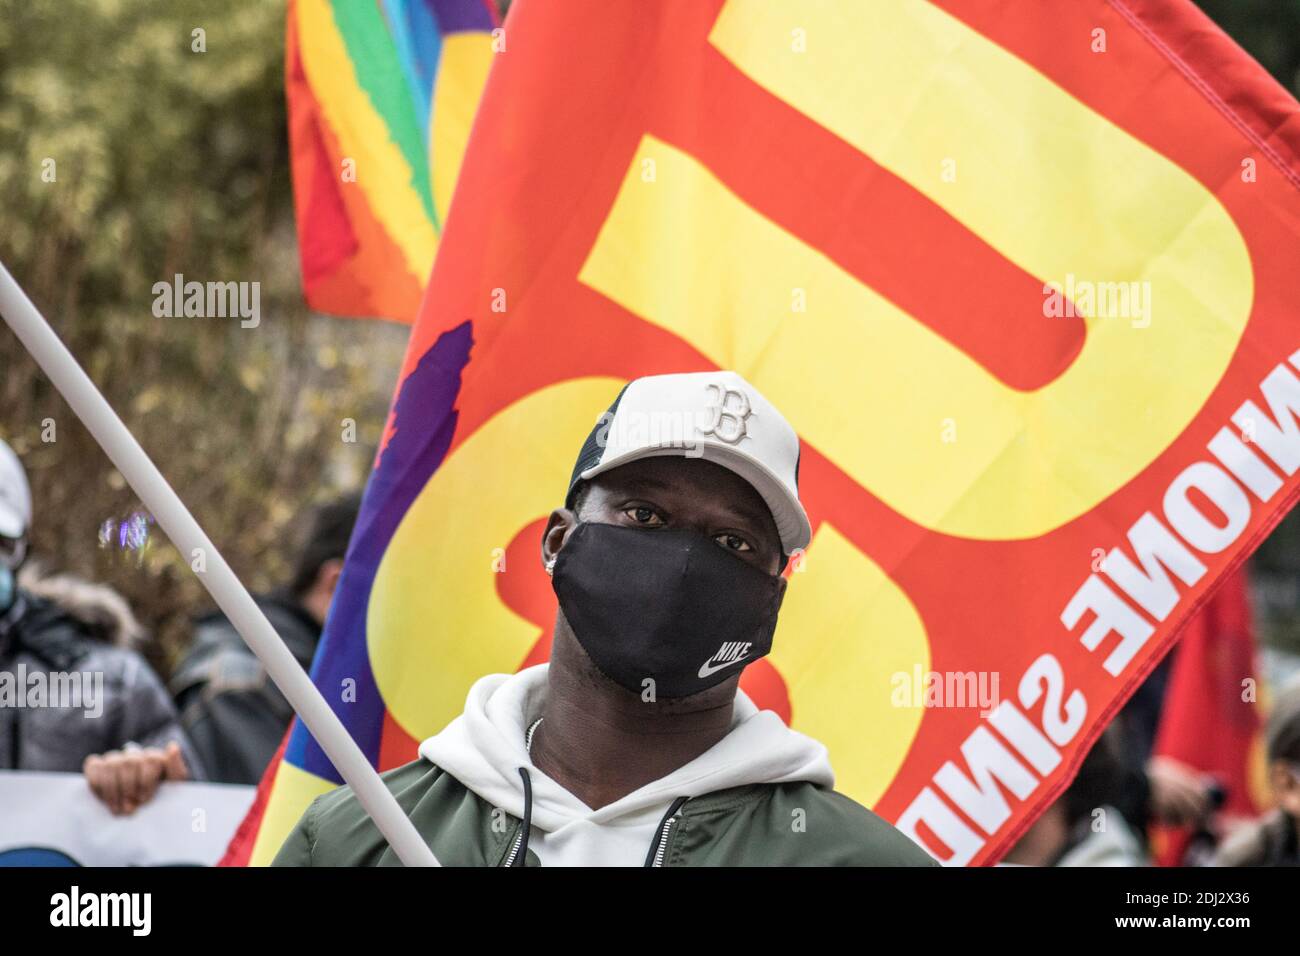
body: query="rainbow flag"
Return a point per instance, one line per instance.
(381, 96)
(1020, 274)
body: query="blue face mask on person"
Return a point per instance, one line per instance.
(12, 552)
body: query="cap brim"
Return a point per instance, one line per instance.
(791, 520)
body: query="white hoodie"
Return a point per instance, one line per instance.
(484, 748)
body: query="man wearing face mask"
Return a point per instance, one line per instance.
(123, 731)
(633, 745)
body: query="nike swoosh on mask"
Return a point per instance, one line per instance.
(706, 670)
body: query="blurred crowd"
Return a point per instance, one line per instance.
(221, 719)
(1125, 796)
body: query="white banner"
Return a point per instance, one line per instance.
(53, 819)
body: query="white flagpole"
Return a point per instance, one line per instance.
(231, 596)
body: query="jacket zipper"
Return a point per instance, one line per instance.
(514, 850)
(663, 842)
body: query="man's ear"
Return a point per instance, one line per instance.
(558, 527)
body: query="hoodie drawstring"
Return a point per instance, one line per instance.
(521, 851)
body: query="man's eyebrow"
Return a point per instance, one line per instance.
(755, 516)
(634, 483)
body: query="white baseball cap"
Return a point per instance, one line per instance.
(15, 495)
(717, 416)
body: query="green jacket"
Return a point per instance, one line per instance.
(788, 824)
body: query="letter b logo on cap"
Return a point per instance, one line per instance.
(726, 417)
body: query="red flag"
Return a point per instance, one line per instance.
(1210, 719)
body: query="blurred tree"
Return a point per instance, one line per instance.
(133, 148)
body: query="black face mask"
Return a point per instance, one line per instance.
(671, 606)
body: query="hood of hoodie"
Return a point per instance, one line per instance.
(484, 748)
(105, 613)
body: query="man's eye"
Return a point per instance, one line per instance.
(644, 516)
(733, 542)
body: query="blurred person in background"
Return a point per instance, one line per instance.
(1274, 840)
(1167, 791)
(59, 631)
(232, 711)
(1155, 789)
(1121, 790)
(1087, 826)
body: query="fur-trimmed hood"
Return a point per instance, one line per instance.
(106, 614)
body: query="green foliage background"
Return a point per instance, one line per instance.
(168, 161)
